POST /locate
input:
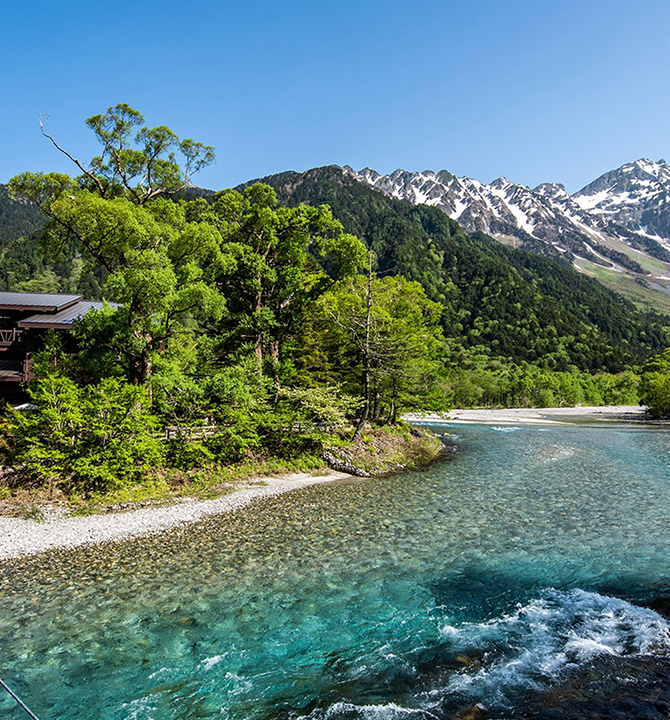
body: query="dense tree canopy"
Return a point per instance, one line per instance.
(271, 264)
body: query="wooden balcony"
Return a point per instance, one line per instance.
(16, 371)
(9, 336)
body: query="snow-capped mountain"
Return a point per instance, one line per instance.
(613, 222)
(636, 196)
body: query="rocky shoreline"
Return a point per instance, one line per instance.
(381, 451)
(20, 537)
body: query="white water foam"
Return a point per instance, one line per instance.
(389, 711)
(139, 709)
(540, 640)
(210, 662)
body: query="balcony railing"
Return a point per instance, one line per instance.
(9, 336)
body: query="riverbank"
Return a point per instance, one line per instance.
(539, 416)
(21, 536)
(52, 525)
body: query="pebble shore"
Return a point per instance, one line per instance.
(536, 416)
(20, 537)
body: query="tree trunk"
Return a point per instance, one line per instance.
(142, 365)
(258, 306)
(147, 366)
(366, 359)
(393, 411)
(274, 351)
(376, 405)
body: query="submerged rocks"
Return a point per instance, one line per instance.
(661, 605)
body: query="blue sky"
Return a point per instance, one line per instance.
(536, 91)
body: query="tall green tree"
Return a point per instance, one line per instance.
(272, 264)
(137, 162)
(151, 253)
(655, 385)
(380, 338)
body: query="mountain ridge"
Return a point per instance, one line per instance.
(616, 221)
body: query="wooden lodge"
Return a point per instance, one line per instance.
(24, 320)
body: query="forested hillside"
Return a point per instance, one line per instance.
(498, 302)
(20, 225)
(24, 263)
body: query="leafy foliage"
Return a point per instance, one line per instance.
(85, 438)
(655, 385)
(403, 345)
(271, 264)
(492, 384)
(148, 250)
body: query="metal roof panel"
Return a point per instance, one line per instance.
(63, 319)
(41, 301)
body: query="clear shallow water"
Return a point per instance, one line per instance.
(514, 575)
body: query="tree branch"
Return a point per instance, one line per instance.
(88, 173)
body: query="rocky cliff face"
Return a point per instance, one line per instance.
(636, 197)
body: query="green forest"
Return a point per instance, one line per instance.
(278, 318)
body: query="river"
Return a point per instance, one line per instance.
(514, 580)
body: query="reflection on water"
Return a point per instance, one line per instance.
(512, 576)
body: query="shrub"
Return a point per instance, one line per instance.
(86, 438)
(655, 385)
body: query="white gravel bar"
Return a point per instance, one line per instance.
(535, 416)
(19, 537)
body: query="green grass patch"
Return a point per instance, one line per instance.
(646, 298)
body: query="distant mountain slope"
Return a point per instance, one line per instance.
(20, 226)
(616, 228)
(23, 266)
(498, 300)
(17, 219)
(636, 197)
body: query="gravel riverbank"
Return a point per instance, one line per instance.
(538, 416)
(19, 537)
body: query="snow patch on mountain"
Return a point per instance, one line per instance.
(630, 205)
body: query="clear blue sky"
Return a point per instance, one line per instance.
(536, 90)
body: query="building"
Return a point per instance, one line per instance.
(24, 320)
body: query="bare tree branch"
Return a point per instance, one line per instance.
(43, 119)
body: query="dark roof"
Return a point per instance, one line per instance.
(65, 318)
(36, 301)
(11, 370)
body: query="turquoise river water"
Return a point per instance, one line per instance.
(521, 578)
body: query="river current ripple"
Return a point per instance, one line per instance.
(526, 577)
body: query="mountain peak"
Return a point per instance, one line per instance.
(500, 182)
(553, 190)
(629, 206)
(367, 174)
